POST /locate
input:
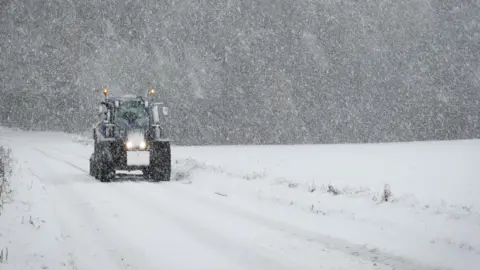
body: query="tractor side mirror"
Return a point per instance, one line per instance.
(100, 109)
(165, 110)
(156, 116)
(146, 104)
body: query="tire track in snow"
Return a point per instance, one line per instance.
(376, 256)
(89, 212)
(203, 234)
(283, 241)
(329, 242)
(241, 253)
(93, 220)
(332, 243)
(84, 212)
(61, 160)
(75, 238)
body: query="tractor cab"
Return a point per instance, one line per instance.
(132, 113)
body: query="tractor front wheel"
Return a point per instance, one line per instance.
(106, 173)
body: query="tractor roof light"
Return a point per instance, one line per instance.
(105, 91)
(151, 92)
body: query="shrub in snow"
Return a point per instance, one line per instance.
(5, 171)
(4, 255)
(316, 211)
(387, 193)
(333, 190)
(181, 175)
(255, 175)
(311, 187)
(292, 185)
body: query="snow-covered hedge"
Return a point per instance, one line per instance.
(5, 172)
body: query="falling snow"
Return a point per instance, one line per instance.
(249, 71)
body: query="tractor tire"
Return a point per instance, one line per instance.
(106, 173)
(92, 168)
(161, 173)
(105, 166)
(147, 175)
(160, 164)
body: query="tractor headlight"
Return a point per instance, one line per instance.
(129, 145)
(137, 145)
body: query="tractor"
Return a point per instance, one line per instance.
(131, 136)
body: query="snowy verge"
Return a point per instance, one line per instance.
(431, 215)
(431, 172)
(29, 236)
(5, 173)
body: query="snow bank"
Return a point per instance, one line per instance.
(432, 172)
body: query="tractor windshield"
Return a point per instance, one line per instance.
(132, 114)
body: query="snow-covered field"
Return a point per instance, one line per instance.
(245, 207)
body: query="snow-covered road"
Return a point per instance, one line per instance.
(241, 208)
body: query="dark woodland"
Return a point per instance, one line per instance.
(249, 72)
